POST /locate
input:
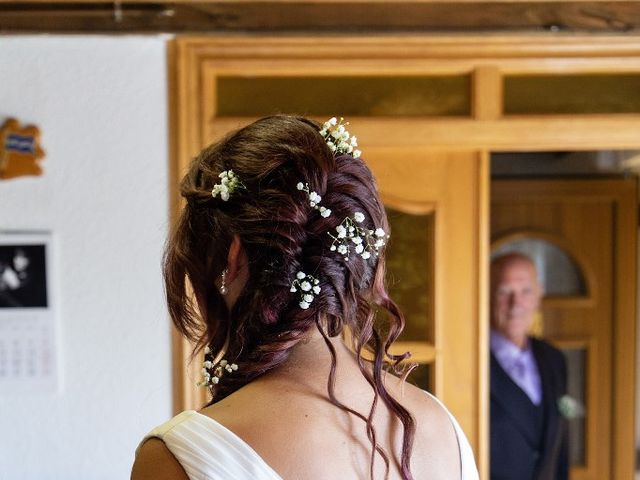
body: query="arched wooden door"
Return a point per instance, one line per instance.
(582, 236)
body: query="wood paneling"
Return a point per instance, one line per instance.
(534, 133)
(453, 185)
(317, 16)
(454, 182)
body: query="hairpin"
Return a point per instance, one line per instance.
(213, 372)
(229, 183)
(308, 286)
(364, 241)
(338, 138)
(314, 199)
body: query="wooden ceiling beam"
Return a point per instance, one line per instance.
(366, 16)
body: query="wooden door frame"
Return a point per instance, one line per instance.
(623, 196)
(194, 62)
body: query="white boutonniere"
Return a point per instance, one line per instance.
(570, 408)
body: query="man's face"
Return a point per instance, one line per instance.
(514, 300)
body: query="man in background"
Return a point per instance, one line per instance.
(529, 437)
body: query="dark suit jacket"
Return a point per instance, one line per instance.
(519, 449)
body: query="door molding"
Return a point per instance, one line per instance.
(196, 61)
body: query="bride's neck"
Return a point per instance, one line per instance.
(310, 359)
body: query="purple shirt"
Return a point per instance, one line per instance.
(520, 365)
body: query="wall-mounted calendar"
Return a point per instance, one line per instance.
(28, 342)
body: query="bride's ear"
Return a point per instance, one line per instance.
(236, 273)
(236, 259)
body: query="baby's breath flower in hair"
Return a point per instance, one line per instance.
(229, 183)
(308, 287)
(314, 199)
(213, 372)
(338, 139)
(350, 235)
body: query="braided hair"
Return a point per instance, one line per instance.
(281, 235)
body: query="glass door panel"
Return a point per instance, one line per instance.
(410, 277)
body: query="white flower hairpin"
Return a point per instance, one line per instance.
(314, 199)
(365, 242)
(338, 138)
(308, 286)
(229, 183)
(213, 372)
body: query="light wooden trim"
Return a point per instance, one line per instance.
(182, 142)
(509, 134)
(402, 205)
(572, 342)
(206, 57)
(325, 66)
(421, 55)
(487, 93)
(186, 374)
(179, 390)
(452, 369)
(483, 308)
(509, 49)
(421, 352)
(177, 345)
(624, 334)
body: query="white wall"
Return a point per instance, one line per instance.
(100, 103)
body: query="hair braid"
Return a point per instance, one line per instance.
(281, 235)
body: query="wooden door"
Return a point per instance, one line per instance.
(437, 207)
(223, 83)
(418, 102)
(582, 235)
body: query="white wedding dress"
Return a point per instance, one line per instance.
(209, 451)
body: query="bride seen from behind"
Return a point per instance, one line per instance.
(282, 242)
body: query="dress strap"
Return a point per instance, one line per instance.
(468, 469)
(207, 450)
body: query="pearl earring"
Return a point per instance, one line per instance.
(223, 284)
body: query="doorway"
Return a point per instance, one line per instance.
(569, 211)
(428, 111)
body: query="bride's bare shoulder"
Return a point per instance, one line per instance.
(155, 461)
(427, 409)
(435, 431)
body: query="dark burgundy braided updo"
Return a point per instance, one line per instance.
(282, 234)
